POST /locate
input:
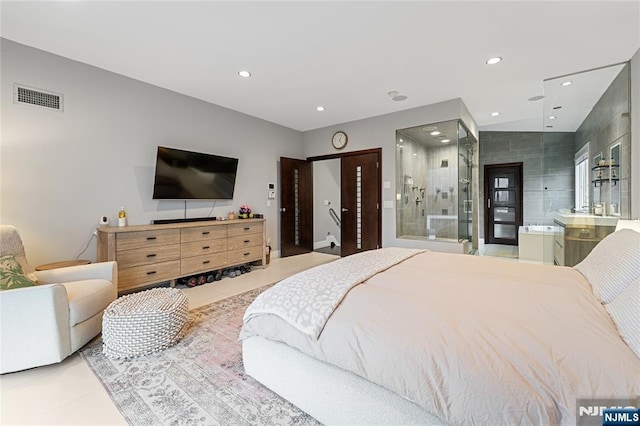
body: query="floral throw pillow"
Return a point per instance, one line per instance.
(11, 274)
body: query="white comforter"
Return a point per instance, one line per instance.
(474, 340)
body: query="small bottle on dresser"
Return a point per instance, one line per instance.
(122, 217)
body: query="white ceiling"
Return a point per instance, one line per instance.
(345, 56)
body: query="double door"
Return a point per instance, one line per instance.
(360, 183)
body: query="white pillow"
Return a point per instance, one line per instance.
(613, 264)
(625, 312)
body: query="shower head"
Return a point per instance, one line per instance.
(466, 160)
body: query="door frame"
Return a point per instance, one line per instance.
(378, 152)
(519, 218)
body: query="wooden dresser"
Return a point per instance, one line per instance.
(150, 254)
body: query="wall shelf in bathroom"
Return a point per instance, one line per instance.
(599, 182)
(604, 174)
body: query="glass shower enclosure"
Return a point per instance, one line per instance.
(434, 177)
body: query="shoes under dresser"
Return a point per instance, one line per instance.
(151, 254)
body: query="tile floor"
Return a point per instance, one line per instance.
(69, 394)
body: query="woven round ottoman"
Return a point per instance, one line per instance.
(142, 323)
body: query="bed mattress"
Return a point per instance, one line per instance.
(473, 340)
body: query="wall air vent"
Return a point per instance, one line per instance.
(42, 98)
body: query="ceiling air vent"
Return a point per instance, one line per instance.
(28, 95)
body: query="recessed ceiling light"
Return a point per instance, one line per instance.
(434, 133)
(320, 108)
(552, 117)
(244, 74)
(495, 114)
(566, 83)
(415, 154)
(401, 140)
(445, 140)
(493, 61)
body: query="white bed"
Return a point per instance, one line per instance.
(436, 338)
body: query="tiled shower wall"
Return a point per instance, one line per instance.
(548, 170)
(429, 189)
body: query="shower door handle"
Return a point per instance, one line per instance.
(488, 203)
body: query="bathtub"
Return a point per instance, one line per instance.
(535, 242)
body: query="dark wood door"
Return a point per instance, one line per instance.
(360, 199)
(503, 203)
(296, 207)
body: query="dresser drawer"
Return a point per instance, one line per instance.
(244, 228)
(201, 233)
(139, 239)
(199, 248)
(148, 255)
(244, 241)
(244, 255)
(207, 262)
(138, 276)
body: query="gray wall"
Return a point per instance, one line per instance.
(326, 186)
(61, 171)
(608, 124)
(548, 169)
(380, 132)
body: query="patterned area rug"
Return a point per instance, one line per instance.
(199, 381)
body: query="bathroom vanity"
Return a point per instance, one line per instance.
(577, 234)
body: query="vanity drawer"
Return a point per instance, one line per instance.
(139, 239)
(148, 255)
(201, 233)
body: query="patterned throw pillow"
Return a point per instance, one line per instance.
(11, 274)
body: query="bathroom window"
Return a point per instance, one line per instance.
(582, 179)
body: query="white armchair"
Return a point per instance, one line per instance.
(46, 323)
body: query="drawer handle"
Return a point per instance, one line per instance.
(151, 272)
(206, 261)
(246, 229)
(205, 247)
(205, 233)
(247, 254)
(152, 255)
(247, 241)
(151, 238)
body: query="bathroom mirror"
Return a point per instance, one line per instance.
(588, 107)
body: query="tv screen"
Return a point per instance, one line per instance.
(186, 175)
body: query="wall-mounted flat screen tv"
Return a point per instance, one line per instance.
(187, 175)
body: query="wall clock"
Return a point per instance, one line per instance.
(339, 140)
